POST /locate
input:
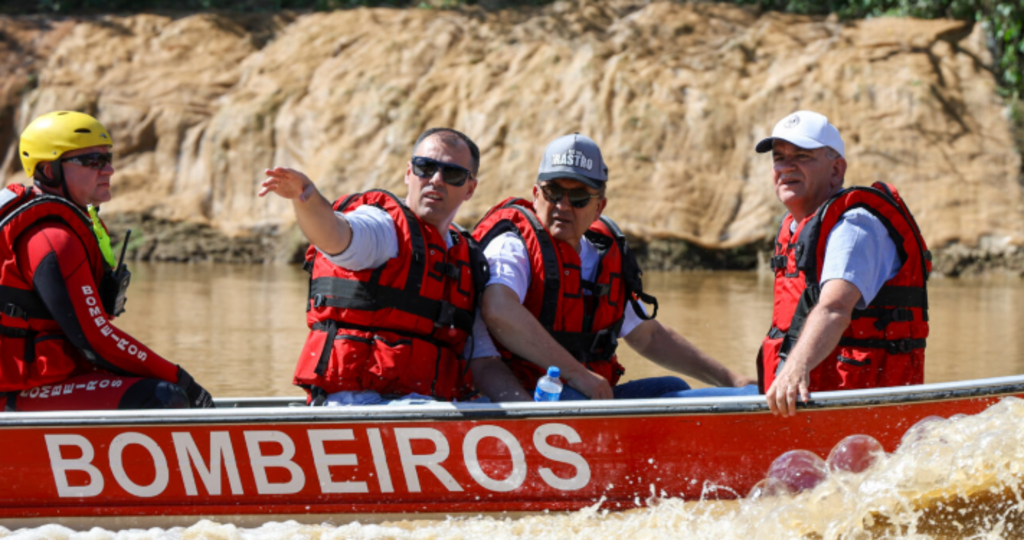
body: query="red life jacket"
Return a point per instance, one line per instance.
(29, 356)
(399, 328)
(585, 325)
(884, 344)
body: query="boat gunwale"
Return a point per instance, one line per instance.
(247, 410)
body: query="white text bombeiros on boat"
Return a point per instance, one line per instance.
(220, 460)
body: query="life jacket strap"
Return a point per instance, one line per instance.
(325, 354)
(352, 294)
(22, 304)
(596, 289)
(893, 346)
(885, 316)
(896, 296)
(18, 333)
(336, 326)
(589, 347)
(448, 269)
(635, 300)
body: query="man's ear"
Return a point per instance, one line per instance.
(408, 173)
(601, 203)
(472, 189)
(536, 193)
(838, 171)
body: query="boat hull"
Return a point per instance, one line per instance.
(328, 463)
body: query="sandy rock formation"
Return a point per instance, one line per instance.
(676, 94)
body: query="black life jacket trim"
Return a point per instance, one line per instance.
(29, 302)
(632, 276)
(324, 326)
(893, 346)
(890, 296)
(22, 303)
(477, 264)
(580, 287)
(552, 280)
(351, 294)
(589, 347)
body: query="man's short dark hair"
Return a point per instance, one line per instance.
(452, 137)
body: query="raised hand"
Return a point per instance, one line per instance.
(287, 183)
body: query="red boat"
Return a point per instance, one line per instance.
(259, 459)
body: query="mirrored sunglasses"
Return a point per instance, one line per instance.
(578, 197)
(452, 174)
(96, 161)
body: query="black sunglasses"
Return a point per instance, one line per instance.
(96, 161)
(578, 197)
(452, 174)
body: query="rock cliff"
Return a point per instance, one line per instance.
(676, 94)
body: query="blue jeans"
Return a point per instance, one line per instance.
(719, 391)
(662, 387)
(653, 387)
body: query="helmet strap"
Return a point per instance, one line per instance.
(57, 169)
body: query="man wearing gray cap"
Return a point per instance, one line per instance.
(850, 271)
(564, 287)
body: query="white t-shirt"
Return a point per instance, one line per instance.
(510, 266)
(374, 241)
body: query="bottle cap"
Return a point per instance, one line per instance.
(554, 372)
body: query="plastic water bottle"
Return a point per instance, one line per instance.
(549, 388)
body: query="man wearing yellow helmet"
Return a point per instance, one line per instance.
(60, 286)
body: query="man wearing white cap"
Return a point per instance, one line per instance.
(850, 270)
(564, 287)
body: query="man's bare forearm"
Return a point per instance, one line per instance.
(518, 330)
(496, 381)
(672, 351)
(324, 229)
(822, 331)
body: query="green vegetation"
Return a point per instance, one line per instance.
(1003, 21)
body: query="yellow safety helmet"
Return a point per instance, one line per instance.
(50, 135)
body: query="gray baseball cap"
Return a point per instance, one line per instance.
(574, 156)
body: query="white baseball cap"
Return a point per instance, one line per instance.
(806, 129)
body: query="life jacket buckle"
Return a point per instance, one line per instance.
(16, 333)
(902, 315)
(778, 262)
(603, 339)
(318, 300)
(448, 269)
(14, 311)
(445, 316)
(596, 289)
(897, 314)
(900, 346)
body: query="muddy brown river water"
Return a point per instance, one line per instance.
(238, 329)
